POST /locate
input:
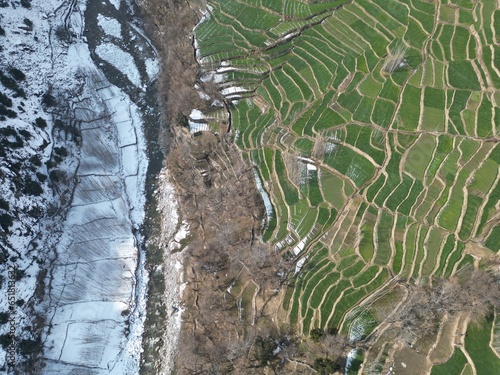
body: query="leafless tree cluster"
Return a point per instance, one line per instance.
(171, 23)
(225, 217)
(473, 292)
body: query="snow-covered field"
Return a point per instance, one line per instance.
(94, 275)
(91, 161)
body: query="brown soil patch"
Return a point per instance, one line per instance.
(444, 347)
(408, 361)
(479, 251)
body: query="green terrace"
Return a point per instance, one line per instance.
(375, 124)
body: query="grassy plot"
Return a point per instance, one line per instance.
(477, 345)
(454, 365)
(409, 113)
(332, 188)
(493, 241)
(350, 164)
(384, 235)
(366, 245)
(461, 75)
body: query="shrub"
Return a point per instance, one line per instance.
(2, 31)
(4, 317)
(76, 135)
(18, 143)
(4, 204)
(11, 84)
(63, 34)
(48, 100)
(6, 222)
(56, 175)
(19, 275)
(32, 187)
(58, 124)
(5, 100)
(20, 92)
(182, 120)
(264, 349)
(26, 4)
(9, 131)
(26, 134)
(17, 74)
(61, 151)
(28, 23)
(35, 212)
(35, 160)
(317, 334)
(332, 330)
(41, 123)
(30, 347)
(4, 111)
(8, 82)
(41, 177)
(5, 340)
(326, 366)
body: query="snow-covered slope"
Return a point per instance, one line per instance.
(94, 275)
(72, 187)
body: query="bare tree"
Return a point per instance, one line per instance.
(473, 292)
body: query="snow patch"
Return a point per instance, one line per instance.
(299, 247)
(110, 26)
(233, 90)
(265, 197)
(152, 68)
(198, 127)
(115, 3)
(300, 264)
(121, 60)
(196, 114)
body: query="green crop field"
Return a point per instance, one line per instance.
(375, 127)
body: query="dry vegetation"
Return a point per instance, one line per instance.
(221, 204)
(472, 292)
(170, 24)
(431, 319)
(221, 334)
(319, 148)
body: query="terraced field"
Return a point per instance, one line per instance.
(373, 125)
